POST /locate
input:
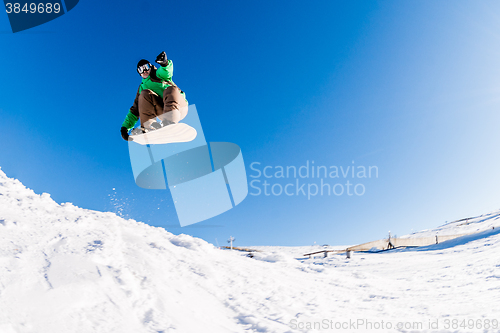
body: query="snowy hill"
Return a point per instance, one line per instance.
(67, 269)
(464, 226)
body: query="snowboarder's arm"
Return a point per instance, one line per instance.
(133, 113)
(130, 120)
(166, 72)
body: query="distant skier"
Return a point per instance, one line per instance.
(157, 96)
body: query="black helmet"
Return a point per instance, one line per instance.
(141, 66)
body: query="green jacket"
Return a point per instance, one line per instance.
(157, 81)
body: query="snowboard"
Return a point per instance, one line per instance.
(179, 132)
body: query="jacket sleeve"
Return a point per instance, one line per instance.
(130, 120)
(166, 72)
(133, 113)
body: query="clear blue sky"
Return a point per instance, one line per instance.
(411, 87)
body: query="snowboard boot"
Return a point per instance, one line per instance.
(142, 130)
(151, 125)
(166, 118)
(137, 131)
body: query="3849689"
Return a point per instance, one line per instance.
(33, 8)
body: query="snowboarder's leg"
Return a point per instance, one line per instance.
(175, 106)
(150, 105)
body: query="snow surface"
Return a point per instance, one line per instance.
(67, 269)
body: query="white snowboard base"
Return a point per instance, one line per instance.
(179, 132)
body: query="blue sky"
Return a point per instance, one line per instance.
(411, 87)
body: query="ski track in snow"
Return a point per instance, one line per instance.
(67, 269)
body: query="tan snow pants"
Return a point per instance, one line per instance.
(171, 109)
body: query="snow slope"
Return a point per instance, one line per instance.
(463, 226)
(67, 269)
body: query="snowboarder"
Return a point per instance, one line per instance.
(157, 96)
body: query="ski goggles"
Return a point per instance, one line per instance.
(143, 68)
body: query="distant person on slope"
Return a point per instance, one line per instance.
(157, 96)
